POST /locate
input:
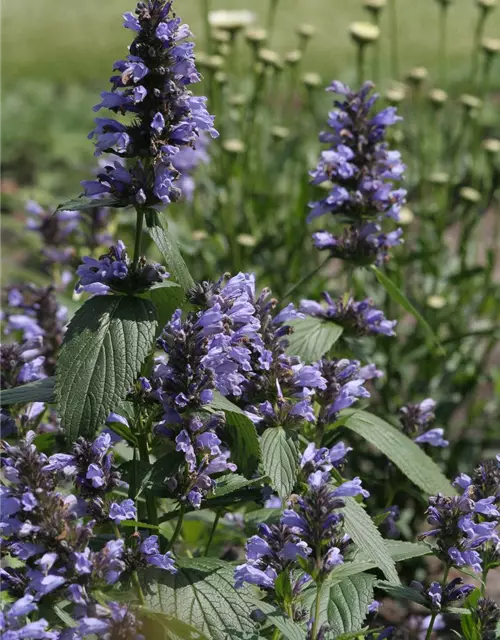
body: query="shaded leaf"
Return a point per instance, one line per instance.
(202, 594)
(312, 338)
(83, 203)
(401, 592)
(241, 435)
(398, 296)
(291, 630)
(104, 347)
(348, 603)
(39, 391)
(159, 625)
(406, 455)
(279, 459)
(367, 538)
(166, 297)
(169, 249)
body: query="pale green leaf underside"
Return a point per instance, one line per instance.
(279, 459)
(39, 391)
(312, 338)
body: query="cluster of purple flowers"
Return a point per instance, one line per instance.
(465, 527)
(151, 86)
(345, 380)
(310, 528)
(114, 272)
(204, 457)
(363, 171)
(53, 534)
(358, 318)
(416, 419)
(439, 597)
(35, 314)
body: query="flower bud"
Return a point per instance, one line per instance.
(439, 178)
(237, 100)
(396, 94)
(246, 240)
(491, 46)
(221, 78)
(198, 235)
(306, 31)
(220, 36)
(233, 146)
(364, 32)
(280, 133)
(417, 76)
(471, 103)
(231, 21)
(270, 59)
(406, 216)
(256, 36)
(486, 5)
(293, 57)
(312, 80)
(436, 302)
(437, 97)
(491, 146)
(374, 6)
(214, 63)
(470, 195)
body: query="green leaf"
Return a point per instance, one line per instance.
(160, 626)
(367, 538)
(168, 248)
(254, 518)
(123, 431)
(406, 455)
(398, 551)
(291, 630)
(39, 391)
(400, 592)
(398, 296)
(104, 347)
(166, 297)
(83, 203)
(312, 338)
(279, 459)
(348, 603)
(241, 435)
(232, 482)
(202, 594)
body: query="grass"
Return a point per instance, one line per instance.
(75, 41)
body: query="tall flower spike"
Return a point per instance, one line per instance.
(151, 85)
(363, 172)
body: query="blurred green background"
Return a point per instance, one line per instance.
(71, 41)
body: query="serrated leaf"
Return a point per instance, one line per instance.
(104, 347)
(348, 603)
(291, 630)
(401, 592)
(166, 297)
(83, 203)
(232, 482)
(367, 538)
(202, 595)
(398, 296)
(241, 435)
(39, 391)
(169, 250)
(279, 459)
(403, 452)
(160, 625)
(398, 551)
(312, 338)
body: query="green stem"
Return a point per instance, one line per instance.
(271, 17)
(393, 18)
(434, 614)
(276, 634)
(178, 528)
(138, 237)
(212, 531)
(360, 63)
(137, 585)
(376, 56)
(314, 632)
(478, 33)
(206, 24)
(150, 499)
(305, 278)
(443, 14)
